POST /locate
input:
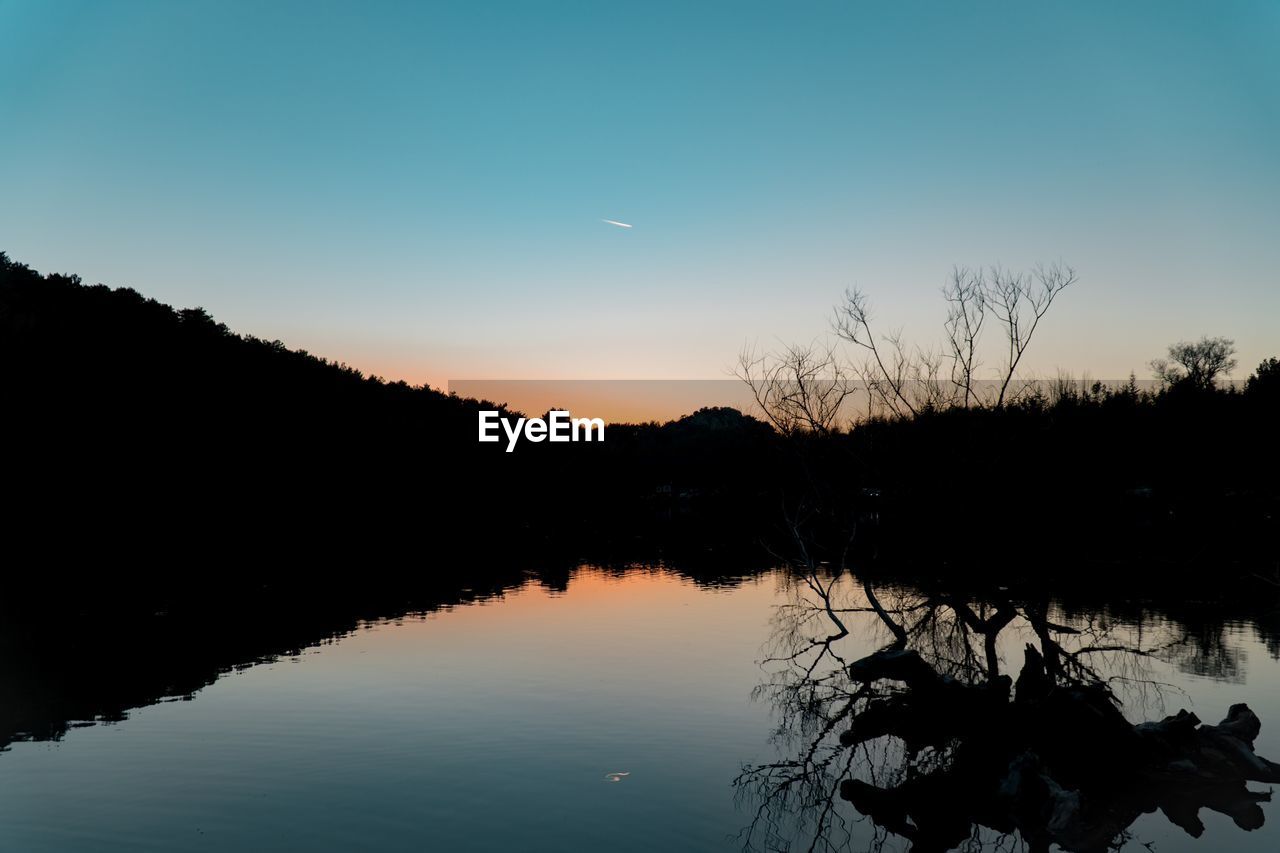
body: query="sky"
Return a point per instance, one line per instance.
(418, 189)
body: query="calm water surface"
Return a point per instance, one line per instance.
(495, 726)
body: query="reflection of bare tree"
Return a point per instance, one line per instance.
(939, 747)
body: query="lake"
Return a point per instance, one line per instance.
(607, 710)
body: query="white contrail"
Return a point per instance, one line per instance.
(615, 222)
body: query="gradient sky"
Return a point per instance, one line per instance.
(417, 189)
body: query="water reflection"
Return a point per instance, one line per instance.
(110, 644)
(486, 726)
(609, 706)
(990, 719)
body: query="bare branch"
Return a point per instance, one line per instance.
(800, 388)
(1021, 301)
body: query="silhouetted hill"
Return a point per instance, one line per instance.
(138, 429)
(133, 424)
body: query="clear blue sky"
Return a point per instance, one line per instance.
(417, 188)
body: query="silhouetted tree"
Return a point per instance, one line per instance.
(906, 380)
(799, 388)
(1196, 364)
(1265, 380)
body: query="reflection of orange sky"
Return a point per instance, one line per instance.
(655, 603)
(593, 589)
(608, 605)
(626, 636)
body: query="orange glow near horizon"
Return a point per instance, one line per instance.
(605, 599)
(616, 401)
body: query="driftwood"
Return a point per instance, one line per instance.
(1057, 762)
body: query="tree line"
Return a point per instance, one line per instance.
(136, 428)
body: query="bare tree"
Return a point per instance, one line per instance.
(905, 380)
(1197, 363)
(1020, 301)
(888, 367)
(966, 295)
(801, 388)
